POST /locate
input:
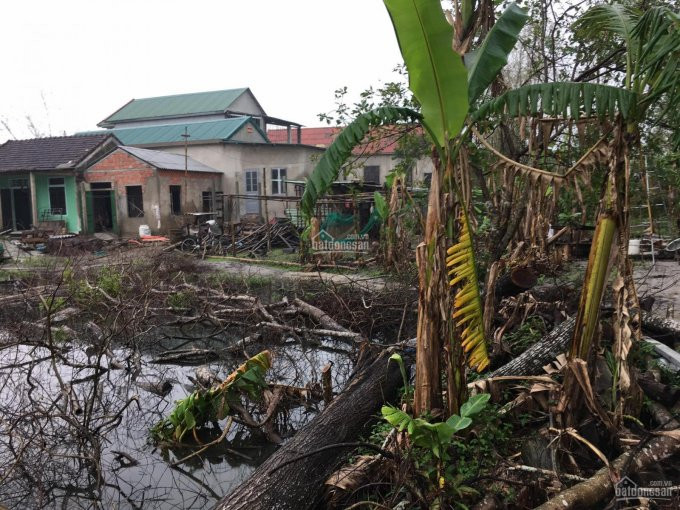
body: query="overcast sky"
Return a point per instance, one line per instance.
(89, 57)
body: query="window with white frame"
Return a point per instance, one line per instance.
(278, 181)
(57, 193)
(251, 181)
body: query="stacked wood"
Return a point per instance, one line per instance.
(280, 233)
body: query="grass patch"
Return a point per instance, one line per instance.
(526, 335)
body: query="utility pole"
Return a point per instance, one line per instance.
(186, 136)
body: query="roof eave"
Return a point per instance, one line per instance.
(113, 124)
(106, 122)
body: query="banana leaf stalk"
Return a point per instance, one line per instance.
(214, 404)
(599, 265)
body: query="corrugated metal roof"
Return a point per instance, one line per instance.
(169, 133)
(168, 161)
(180, 104)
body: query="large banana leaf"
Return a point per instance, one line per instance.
(561, 99)
(486, 62)
(437, 75)
(328, 167)
(658, 66)
(468, 303)
(658, 29)
(614, 19)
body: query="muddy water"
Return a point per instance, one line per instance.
(95, 451)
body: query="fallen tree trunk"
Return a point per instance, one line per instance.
(589, 493)
(670, 356)
(664, 330)
(321, 317)
(299, 485)
(533, 360)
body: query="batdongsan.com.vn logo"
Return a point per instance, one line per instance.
(628, 489)
(353, 243)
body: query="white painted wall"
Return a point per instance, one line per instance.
(299, 161)
(246, 103)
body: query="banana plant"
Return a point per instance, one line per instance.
(652, 71)
(203, 406)
(652, 77)
(436, 438)
(445, 86)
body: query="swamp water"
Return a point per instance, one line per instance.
(91, 448)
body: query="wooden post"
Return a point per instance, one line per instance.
(327, 383)
(233, 225)
(266, 210)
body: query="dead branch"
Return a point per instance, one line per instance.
(589, 493)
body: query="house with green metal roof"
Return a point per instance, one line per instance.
(218, 103)
(234, 130)
(193, 107)
(226, 130)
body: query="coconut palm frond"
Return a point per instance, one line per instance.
(467, 302)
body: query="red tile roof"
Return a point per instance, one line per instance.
(381, 141)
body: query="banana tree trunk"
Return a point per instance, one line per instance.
(437, 346)
(599, 265)
(611, 230)
(432, 304)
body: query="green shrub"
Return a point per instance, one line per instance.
(110, 281)
(526, 335)
(179, 300)
(54, 304)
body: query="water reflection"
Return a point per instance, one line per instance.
(74, 423)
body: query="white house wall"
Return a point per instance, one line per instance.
(387, 163)
(246, 103)
(298, 160)
(234, 159)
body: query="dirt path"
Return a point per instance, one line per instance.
(367, 282)
(662, 281)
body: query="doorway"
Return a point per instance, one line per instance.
(7, 215)
(252, 189)
(103, 212)
(101, 208)
(17, 213)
